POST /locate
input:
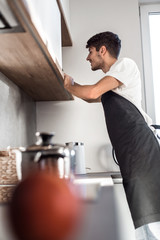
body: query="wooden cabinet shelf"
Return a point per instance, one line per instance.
(25, 60)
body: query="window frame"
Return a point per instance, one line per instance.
(145, 10)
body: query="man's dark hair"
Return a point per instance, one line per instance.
(108, 39)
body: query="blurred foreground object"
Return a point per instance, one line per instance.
(43, 207)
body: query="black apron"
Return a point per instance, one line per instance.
(138, 154)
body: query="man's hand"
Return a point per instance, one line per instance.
(68, 81)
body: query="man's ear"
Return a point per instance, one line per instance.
(103, 50)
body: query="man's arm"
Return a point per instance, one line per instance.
(91, 93)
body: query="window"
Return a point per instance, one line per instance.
(150, 22)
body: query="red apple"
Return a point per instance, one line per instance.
(43, 207)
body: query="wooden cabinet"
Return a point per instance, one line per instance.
(46, 17)
(26, 60)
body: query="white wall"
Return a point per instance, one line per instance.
(66, 9)
(77, 120)
(148, 1)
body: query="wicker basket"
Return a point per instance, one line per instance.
(6, 193)
(8, 175)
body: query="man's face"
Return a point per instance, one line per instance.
(95, 58)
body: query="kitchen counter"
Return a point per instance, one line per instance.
(99, 217)
(98, 221)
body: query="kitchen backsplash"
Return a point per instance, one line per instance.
(17, 116)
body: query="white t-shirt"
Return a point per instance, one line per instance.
(126, 71)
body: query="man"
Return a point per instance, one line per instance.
(136, 147)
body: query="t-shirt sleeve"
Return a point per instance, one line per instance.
(123, 70)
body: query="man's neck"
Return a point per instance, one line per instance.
(108, 63)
